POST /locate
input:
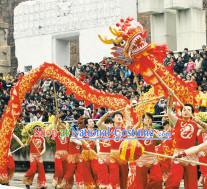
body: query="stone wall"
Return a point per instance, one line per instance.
(8, 61)
(74, 51)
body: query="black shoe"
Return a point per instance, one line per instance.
(6, 184)
(27, 186)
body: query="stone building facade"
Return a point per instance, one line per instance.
(178, 23)
(8, 61)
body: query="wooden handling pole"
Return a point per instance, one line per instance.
(177, 159)
(142, 102)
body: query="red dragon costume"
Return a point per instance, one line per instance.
(131, 49)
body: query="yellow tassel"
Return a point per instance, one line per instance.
(85, 155)
(92, 155)
(132, 150)
(123, 150)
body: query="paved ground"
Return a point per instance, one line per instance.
(17, 182)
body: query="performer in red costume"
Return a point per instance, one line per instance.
(11, 164)
(200, 150)
(83, 172)
(118, 169)
(74, 151)
(37, 149)
(148, 163)
(203, 157)
(104, 154)
(61, 152)
(75, 163)
(185, 137)
(167, 148)
(88, 161)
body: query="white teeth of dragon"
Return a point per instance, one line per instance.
(137, 49)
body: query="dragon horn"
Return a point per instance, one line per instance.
(105, 40)
(117, 41)
(114, 31)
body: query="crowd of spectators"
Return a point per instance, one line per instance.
(190, 66)
(107, 76)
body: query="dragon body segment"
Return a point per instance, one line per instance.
(24, 85)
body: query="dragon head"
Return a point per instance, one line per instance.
(129, 41)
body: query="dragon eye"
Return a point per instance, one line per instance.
(122, 43)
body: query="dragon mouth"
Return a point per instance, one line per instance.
(136, 45)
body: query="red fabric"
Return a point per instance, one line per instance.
(165, 163)
(11, 166)
(36, 166)
(74, 148)
(114, 179)
(155, 177)
(61, 144)
(115, 144)
(82, 173)
(149, 145)
(70, 171)
(176, 174)
(102, 173)
(123, 175)
(86, 171)
(138, 152)
(205, 184)
(165, 166)
(131, 182)
(60, 168)
(202, 138)
(36, 145)
(185, 134)
(95, 169)
(203, 168)
(118, 175)
(171, 67)
(103, 148)
(72, 168)
(127, 156)
(166, 148)
(86, 167)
